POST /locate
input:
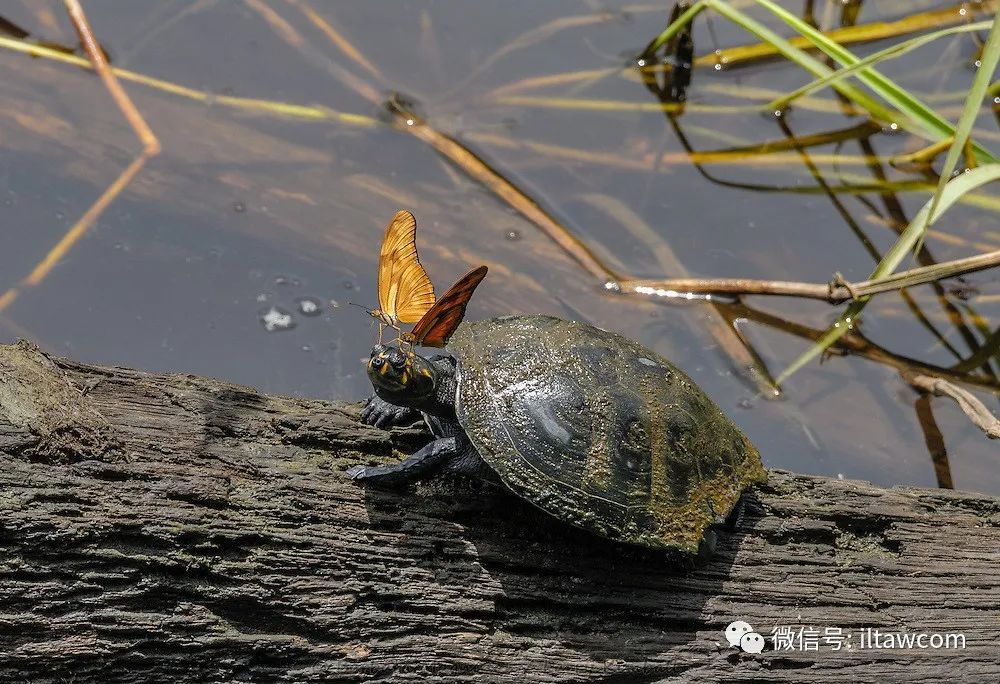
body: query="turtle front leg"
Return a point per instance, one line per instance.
(382, 414)
(416, 465)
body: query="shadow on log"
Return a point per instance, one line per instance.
(177, 528)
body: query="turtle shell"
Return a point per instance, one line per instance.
(599, 431)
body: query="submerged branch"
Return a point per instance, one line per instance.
(977, 412)
(150, 148)
(857, 344)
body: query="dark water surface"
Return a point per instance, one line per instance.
(249, 214)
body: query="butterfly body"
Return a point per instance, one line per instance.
(405, 291)
(406, 294)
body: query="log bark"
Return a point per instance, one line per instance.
(177, 528)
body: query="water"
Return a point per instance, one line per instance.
(237, 251)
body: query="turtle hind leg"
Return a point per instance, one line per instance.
(416, 466)
(468, 463)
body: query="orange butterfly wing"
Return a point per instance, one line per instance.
(405, 292)
(438, 324)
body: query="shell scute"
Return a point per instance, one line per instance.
(599, 431)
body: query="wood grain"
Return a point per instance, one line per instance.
(177, 528)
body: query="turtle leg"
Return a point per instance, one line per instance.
(469, 463)
(416, 465)
(381, 413)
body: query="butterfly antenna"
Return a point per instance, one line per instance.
(360, 306)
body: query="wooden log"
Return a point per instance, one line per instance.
(177, 528)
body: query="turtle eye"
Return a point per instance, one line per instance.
(377, 362)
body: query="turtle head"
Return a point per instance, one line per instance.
(402, 374)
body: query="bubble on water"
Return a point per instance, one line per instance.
(512, 235)
(334, 304)
(718, 67)
(262, 297)
(307, 347)
(309, 306)
(239, 207)
(964, 292)
(640, 62)
(275, 319)
(287, 280)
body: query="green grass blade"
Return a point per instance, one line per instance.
(686, 17)
(803, 59)
(921, 119)
(987, 65)
(953, 191)
(891, 52)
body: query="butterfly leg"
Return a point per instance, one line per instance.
(417, 465)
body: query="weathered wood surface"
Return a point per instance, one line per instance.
(175, 528)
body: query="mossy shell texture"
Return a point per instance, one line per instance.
(599, 431)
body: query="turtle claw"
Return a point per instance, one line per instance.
(382, 414)
(356, 472)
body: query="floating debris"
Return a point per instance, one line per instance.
(309, 306)
(277, 319)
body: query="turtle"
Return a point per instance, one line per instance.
(586, 424)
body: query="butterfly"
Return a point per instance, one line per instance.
(405, 291)
(437, 325)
